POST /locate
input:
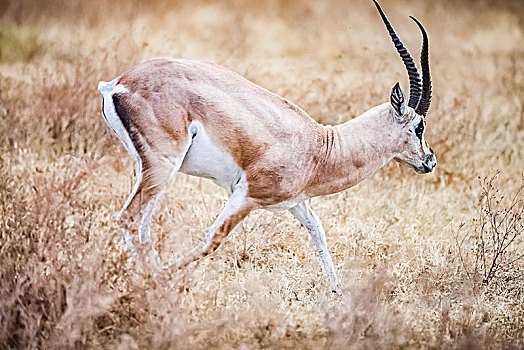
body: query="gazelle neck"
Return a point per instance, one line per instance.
(354, 150)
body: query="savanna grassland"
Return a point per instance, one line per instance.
(432, 261)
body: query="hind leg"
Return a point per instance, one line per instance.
(135, 216)
(138, 211)
(125, 233)
(157, 139)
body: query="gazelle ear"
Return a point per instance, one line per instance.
(398, 103)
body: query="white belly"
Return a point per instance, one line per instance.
(286, 205)
(204, 159)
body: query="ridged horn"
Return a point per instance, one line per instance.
(425, 99)
(415, 89)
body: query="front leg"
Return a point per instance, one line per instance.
(237, 208)
(312, 223)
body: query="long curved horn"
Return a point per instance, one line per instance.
(425, 99)
(415, 89)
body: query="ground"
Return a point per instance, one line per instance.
(424, 261)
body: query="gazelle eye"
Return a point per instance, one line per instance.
(419, 129)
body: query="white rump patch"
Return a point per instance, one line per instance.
(108, 89)
(113, 120)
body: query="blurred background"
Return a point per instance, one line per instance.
(430, 261)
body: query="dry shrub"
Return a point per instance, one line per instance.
(492, 245)
(60, 288)
(448, 313)
(500, 229)
(32, 254)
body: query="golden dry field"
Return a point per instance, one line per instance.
(424, 261)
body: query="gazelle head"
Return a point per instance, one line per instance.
(411, 118)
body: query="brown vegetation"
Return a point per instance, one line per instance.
(419, 257)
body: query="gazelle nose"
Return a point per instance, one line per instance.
(430, 161)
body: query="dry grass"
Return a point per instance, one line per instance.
(406, 246)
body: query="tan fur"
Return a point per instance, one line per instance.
(286, 156)
(283, 151)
